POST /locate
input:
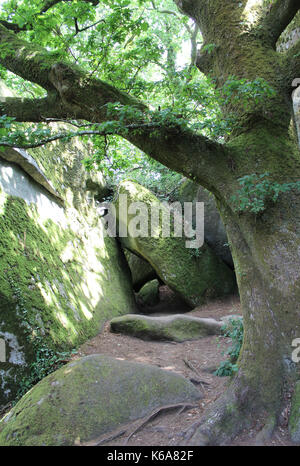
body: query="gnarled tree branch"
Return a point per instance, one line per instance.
(183, 151)
(73, 94)
(278, 17)
(292, 60)
(32, 110)
(78, 30)
(26, 60)
(188, 7)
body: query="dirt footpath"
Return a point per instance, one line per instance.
(195, 360)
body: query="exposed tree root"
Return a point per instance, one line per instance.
(232, 413)
(265, 434)
(155, 413)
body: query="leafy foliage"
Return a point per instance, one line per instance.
(233, 329)
(256, 190)
(137, 47)
(249, 93)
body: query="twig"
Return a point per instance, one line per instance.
(198, 382)
(180, 411)
(155, 413)
(77, 29)
(190, 366)
(73, 134)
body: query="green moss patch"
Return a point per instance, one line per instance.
(195, 274)
(149, 294)
(71, 280)
(89, 397)
(177, 328)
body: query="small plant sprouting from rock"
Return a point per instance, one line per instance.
(46, 359)
(233, 329)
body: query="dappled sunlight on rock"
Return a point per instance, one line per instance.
(66, 322)
(88, 315)
(57, 266)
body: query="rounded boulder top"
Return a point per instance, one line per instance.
(89, 397)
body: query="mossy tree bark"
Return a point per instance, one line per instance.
(267, 263)
(266, 247)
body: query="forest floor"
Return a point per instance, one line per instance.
(196, 360)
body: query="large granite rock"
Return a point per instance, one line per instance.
(90, 397)
(177, 327)
(61, 276)
(148, 296)
(214, 230)
(141, 271)
(193, 274)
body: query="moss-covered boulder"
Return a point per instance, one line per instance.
(141, 271)
(89, 397)
(175, 328)
(193, 273)
(294, 420)
(61, 276)
(148, 295)
(214, 230)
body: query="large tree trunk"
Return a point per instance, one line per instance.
(265, 247)
(266, 252)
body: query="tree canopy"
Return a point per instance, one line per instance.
(143, 48)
